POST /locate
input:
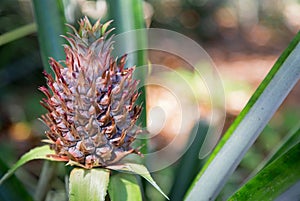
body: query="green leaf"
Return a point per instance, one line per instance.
(290, 141)
(12, 189)
(140, 170)
(33, 154)
(291, 194)
(248, 125)
(189, 163)
(273, 180)
(124, 187)
(90, 185)
(50, 21)
(17, 33)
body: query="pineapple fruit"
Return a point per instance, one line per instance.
(91, 100)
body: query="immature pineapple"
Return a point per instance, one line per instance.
(91, 110)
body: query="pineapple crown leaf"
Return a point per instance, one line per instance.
(90, 33)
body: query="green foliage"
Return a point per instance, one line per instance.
(138, 169)
(88, 184)
(12, 185)
(50, 21)
(189, 163)
(35, 153)
(290, 141)
(248, 125)
(274, 179)
(17, 33)
(124, 187)
(279, 172)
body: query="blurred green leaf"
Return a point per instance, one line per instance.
(124, 187)
(290, 141)
(273, 180)
(88, 185)
(190, 163)
(12, 189)
(50, 20)
(17, 33)
(292, 193)
(248, 125)
(33, 154)
(139, 170)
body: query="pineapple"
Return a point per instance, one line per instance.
(91, 101)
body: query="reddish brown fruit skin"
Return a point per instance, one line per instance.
(91, 102)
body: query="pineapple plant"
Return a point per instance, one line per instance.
(91, 110)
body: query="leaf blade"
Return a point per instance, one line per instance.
(124, 187)
(139, 170)
(17, 33)
(33, 154)
(50, 25)
(290, 141)
(8, 190)
(248, 125)
(83, 183)
(273, 180)
(189, 163)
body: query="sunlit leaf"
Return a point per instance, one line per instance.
(290, 141)
(90, 185)
(36, 153)
(248, 125)
(140, 170)
(124, 187)
(273, 180)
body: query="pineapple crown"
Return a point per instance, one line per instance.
(91, 102)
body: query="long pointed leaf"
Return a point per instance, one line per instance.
(8, 190)
(124, 187)
(292, 193)
(90, 185)
(17, 33)
(50, 19)
(190, 163)
(140, 170)
(248, 125)
(290, 141)
(274, 179)
(36, 153)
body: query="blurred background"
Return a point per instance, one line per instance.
(243, 37)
